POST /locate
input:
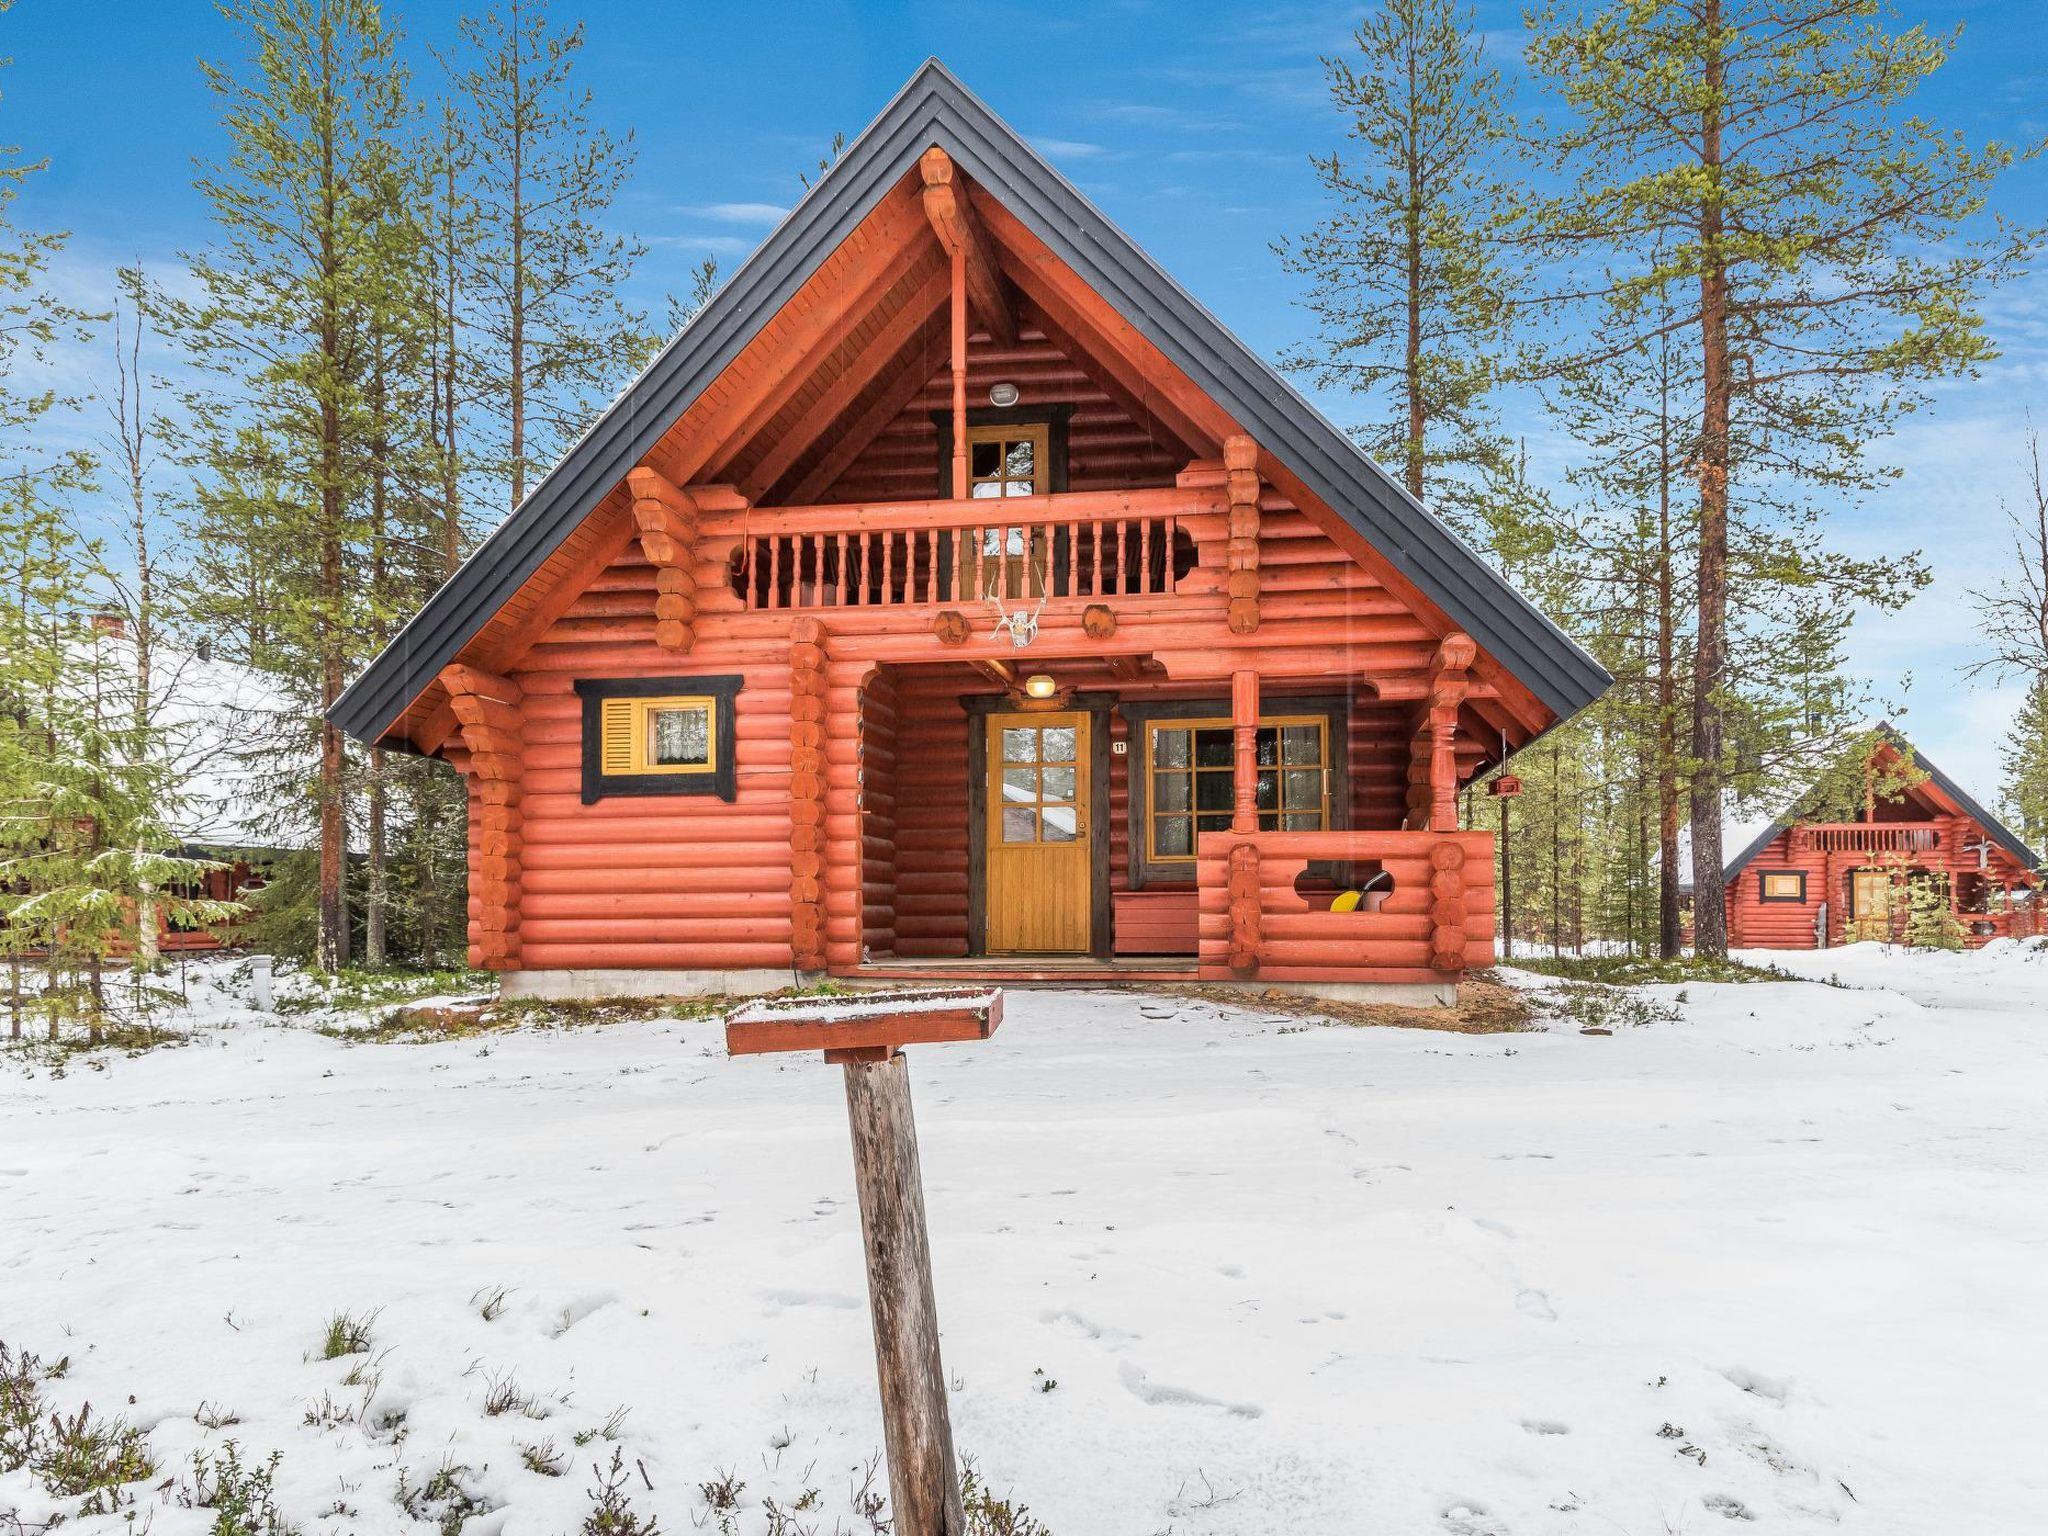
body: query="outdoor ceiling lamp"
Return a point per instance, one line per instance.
(1040, 686)
(1004, 395)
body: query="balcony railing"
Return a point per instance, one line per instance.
(1873, 837)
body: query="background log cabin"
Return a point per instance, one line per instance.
(989, 608)
(1811, 884)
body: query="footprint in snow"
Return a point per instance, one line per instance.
(1546, 1427)
(1159, 1395)
(1533, 1303)
(1466, 1517)
(1756, 1384)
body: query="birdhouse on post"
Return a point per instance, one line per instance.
(865, 1034)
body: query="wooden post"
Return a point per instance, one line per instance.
(1244, 722)
(924, 1476)
(959, 318)
(865, 1036)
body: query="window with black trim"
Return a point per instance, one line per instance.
(658, 736)
(1190, 768)
(1788, 885)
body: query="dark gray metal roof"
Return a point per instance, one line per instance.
(1995, 829)
(934, 108)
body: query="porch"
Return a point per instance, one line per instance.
(1137, 826)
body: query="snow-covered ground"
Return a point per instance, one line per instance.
(1782, 1259)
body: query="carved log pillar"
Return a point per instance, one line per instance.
(1242, 886)
(491, 722)
(1244, 730)
(807, 794)
(1241, 479)
(1449, 680)
(1447, 907)
(666, 518)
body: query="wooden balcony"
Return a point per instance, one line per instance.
(1080, 545)
(1872, 836)
(1264, 913)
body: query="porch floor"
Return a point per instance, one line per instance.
(1070, 969)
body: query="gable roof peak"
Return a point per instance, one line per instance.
(934, 107)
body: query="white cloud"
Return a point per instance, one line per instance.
(740, 213)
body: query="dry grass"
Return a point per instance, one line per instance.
(1484, 1007)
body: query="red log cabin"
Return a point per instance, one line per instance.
(955, 597)
(1809, 884)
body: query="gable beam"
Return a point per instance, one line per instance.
(889, 343)
(911, 371)
(953, 220)
(895, 240)
(707, 429)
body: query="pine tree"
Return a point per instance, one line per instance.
(1752, 155)
(546, 274)
(1404, 276)
(2025, 759)
(314, 257)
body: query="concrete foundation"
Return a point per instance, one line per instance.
(596, 986)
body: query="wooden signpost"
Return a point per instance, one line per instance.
(865, 1034)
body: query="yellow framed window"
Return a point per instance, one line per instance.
(1008, 460)
(1190, 768)
(661, 735)
(1784, 885)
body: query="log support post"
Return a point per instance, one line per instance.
(1433, 754)
(959, 358)
(491, 723)
(665, 518)
(807, 774)
(1241, 479)
(1447, 910)
(1241, 884)
(1244, 732)
(917, 1429)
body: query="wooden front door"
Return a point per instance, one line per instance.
(1039, 827)
(1870, 895)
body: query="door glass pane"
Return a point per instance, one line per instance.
(1020, 784)
(1062, 824)
(1172, 838)
(1059, 744)
(1017, 462)
(1170, 791)
(1302, 744)
(986, 456)
(679, 737)
(1019, 826)
(1020, 743)
(1059, 783)
(987, 488)
(1170, 748)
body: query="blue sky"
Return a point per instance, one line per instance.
(1190, 125)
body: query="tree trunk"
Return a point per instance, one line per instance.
(1709, 905)
(376, 899)
(1668, 877)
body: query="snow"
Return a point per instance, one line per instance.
(1774, 1257)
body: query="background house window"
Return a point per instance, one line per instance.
(1785, 885)
(657, 736)
(1190, 777)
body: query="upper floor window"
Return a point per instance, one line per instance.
(1008, 460)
